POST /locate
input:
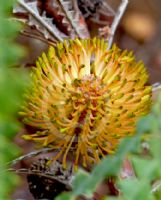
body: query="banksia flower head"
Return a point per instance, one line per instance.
(86, 97)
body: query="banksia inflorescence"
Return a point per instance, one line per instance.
(86, 97)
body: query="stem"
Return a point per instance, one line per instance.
(116, 21)
(29, 155)
(32, 35)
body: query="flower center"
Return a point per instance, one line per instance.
(89, 87)
(89, 96)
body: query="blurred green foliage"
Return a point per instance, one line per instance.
(12, 84)
(146, 165)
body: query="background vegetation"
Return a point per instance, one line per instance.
(12, 83)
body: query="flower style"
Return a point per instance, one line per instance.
(86, 98)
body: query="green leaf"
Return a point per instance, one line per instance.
(66, 196)
(12, 84)
(147, 124)
(113, 198)
(157, 192)
(6, 8)
(145, 168)
(155, 146)
(135, 189)
(9, 33)
(80, 182)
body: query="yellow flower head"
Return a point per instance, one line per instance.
(85, 97)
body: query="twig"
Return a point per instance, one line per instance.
(108, 8)
(32, 154)
(29, 155)
(116, 21)
(75, 6)
(156, 87)
(38, 37)
(98, 21)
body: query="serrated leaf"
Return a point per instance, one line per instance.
(74, 16)
(109, 166)
(63, 10)
(40, 22)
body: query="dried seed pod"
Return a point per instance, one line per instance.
(46, 182)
